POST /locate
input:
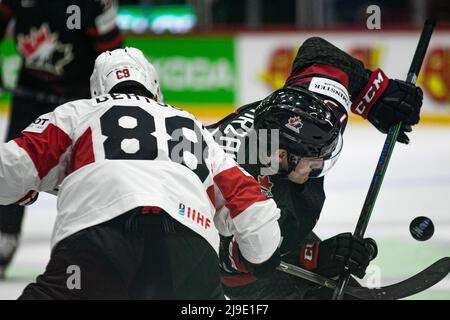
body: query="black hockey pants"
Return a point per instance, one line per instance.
(133, 256)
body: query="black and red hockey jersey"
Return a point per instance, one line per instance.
(336, 76)
(57, 57)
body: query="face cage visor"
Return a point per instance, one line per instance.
(321, 165)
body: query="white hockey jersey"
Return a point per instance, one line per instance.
(117, 152)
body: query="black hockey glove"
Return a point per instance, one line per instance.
(385, 102)
(265, 269)
(232, 262)
(332, 256)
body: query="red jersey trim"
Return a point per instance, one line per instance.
(46, 148)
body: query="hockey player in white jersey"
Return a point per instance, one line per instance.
(144, 190)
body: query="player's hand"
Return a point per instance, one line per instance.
(333, 256)
(385, 102)
(400, 102)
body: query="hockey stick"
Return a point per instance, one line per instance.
(413, 285)
(38, 96)
(386, 153)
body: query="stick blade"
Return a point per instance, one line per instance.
(413, 285)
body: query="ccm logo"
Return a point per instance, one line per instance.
(309, 252)
(120, 74)
(372, 93)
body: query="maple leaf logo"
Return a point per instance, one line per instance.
(294, 120)
(29, 45)
(295, 124)
(266, 185)
(43, 51)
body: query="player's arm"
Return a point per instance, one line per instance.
(100, 25)
(37, 160)
(243, 212)
(372, 94)
(6, 13)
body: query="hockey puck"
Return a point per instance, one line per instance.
(421, 228)
(373, 248)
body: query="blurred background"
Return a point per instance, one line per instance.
(258, 14)
(215, 55)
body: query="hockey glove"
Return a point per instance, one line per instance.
(385, 102)
(233, 262)
(332, 256)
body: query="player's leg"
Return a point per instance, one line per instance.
(187, 268)
(23, 112)
(8, 246)
(200, 276)
(96, 263)
(11, 216)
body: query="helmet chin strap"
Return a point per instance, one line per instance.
(293, 161)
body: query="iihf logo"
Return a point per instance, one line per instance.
(295, 124)
(194, 215)
(181, 209)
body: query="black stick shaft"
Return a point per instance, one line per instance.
(386, 153)
(421, 50)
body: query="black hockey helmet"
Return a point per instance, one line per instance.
(307, 126)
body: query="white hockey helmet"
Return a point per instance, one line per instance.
(129, 64)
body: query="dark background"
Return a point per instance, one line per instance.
(307, 13)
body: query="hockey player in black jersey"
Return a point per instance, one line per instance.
(309, 115)
(57, 62)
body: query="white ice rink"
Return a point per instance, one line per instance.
(417, 183)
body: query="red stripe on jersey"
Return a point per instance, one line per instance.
(322, 69)
(212, 195)
(240, 191)
(238, 280)
(299, 81)
(29, 198)
(92, 32)
(235, 255)
(6, 11)
(152, 209)
(83, 152)
(45, 148)
(108, 45)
